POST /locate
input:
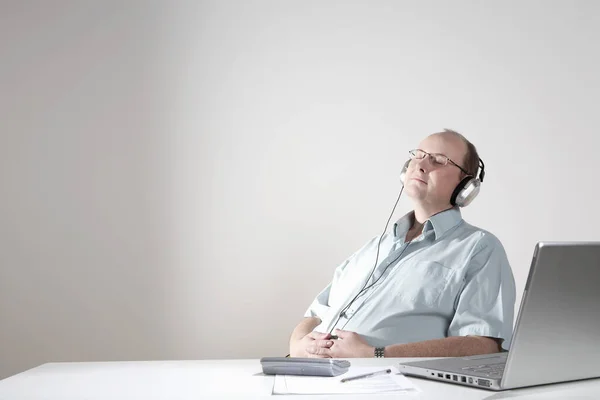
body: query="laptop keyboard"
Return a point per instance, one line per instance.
(491, 370)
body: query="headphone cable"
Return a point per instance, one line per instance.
(365, 287)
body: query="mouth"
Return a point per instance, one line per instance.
(419, 180)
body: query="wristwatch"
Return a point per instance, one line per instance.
(379, 352)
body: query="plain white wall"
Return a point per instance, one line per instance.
(180, 179)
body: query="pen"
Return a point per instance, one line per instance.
(352, 378)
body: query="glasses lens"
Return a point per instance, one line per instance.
(419, 154)
(439, 159)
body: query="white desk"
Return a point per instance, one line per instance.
(207, 379)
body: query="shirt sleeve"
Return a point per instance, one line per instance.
(485, 306)
(320, 305)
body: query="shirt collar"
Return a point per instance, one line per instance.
(440, 223)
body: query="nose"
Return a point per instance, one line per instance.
(421, 164)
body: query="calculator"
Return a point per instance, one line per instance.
(304, 366)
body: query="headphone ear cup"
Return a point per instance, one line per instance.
(403, 172)
(461, 185)
(465, 192)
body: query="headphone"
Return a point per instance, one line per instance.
(465, 192)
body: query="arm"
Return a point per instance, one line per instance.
(303, 339)
(351, 344)
(304, 328)
(456, 346)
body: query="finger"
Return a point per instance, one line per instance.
(342, 334)
(318, 351)
(323, 343)
(319, 335)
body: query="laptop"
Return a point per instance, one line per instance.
(557, 334)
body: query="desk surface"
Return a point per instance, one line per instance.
(205, 379)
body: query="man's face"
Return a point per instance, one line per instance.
(431, 184)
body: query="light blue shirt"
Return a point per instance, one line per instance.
(452, 280)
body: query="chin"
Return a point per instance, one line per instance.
(414, 193)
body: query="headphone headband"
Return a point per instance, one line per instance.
(482, 170)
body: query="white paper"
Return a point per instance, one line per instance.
(394, 382)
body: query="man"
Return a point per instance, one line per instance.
(441, 287)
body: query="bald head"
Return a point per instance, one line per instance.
(470, 157)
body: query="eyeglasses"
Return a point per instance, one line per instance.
(438, 160)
